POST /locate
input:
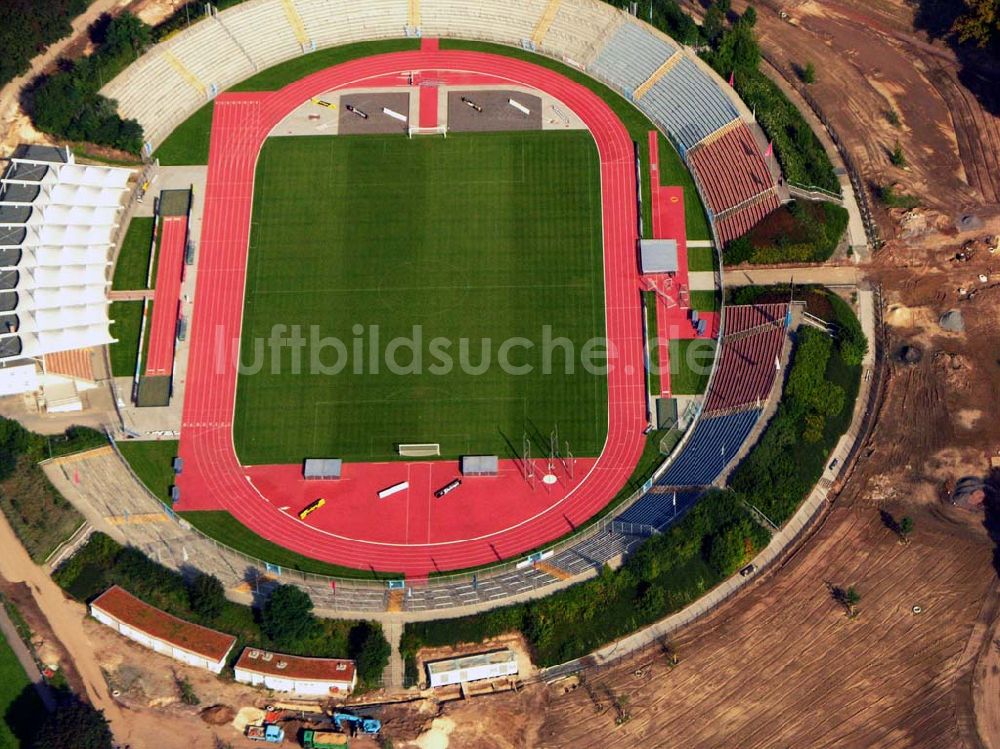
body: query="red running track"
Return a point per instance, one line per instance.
(673, 321)
(212, 473)
(163, 328)
(428, 105)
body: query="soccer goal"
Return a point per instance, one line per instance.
(419, 449)
(436, 130)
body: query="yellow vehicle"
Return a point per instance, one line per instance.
(311, 507)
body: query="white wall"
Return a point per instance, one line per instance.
(279, 684)
(158, 646)
(486, 671)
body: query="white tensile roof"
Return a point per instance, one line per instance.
(58, 221)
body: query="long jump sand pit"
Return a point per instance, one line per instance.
(372, 104)
(498, 113)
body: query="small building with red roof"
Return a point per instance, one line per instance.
(162, 632)
(296, 674)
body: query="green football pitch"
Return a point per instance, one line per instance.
(457, 245)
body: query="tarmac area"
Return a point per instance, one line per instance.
(377, 122)
(497, 114)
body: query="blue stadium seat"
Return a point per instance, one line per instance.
(715, 441)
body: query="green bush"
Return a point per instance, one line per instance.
(888, 196)
(851, 341)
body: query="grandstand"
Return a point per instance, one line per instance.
(706, 108)
(572, 32)
(328, 24)
(741, 318)
(740, 219)
(57, 224)
(675, 90)
(746, 369)
(658, 509)
(732, 173)
(630, 56)
(281, 42)
(510, 22)
(715, 441)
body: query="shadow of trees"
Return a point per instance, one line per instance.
(979, 70)
(991, 506)
(24, 715)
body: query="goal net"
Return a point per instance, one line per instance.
(441, 130)
(419, 449)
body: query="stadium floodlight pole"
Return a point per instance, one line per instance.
(529, 468)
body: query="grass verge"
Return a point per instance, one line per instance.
(132, 265)
(152, 460)
(21, 710)
(226, 529)
(127, 317)
(690, 365)
(701, 259)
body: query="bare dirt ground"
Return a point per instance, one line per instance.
(870, 61)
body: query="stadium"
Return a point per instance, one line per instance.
(549, 204)
(563, 446)
(360, 360)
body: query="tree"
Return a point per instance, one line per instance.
(74, 724)
(124, 32)
(206, 596)
(749, 16)
(287, 616)
(851, 600)
(905, 528)
(896, 156)
(980, 23)
(370, 650)
(737, 50)
(808, 73)
(713, 24)
(727, 548)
